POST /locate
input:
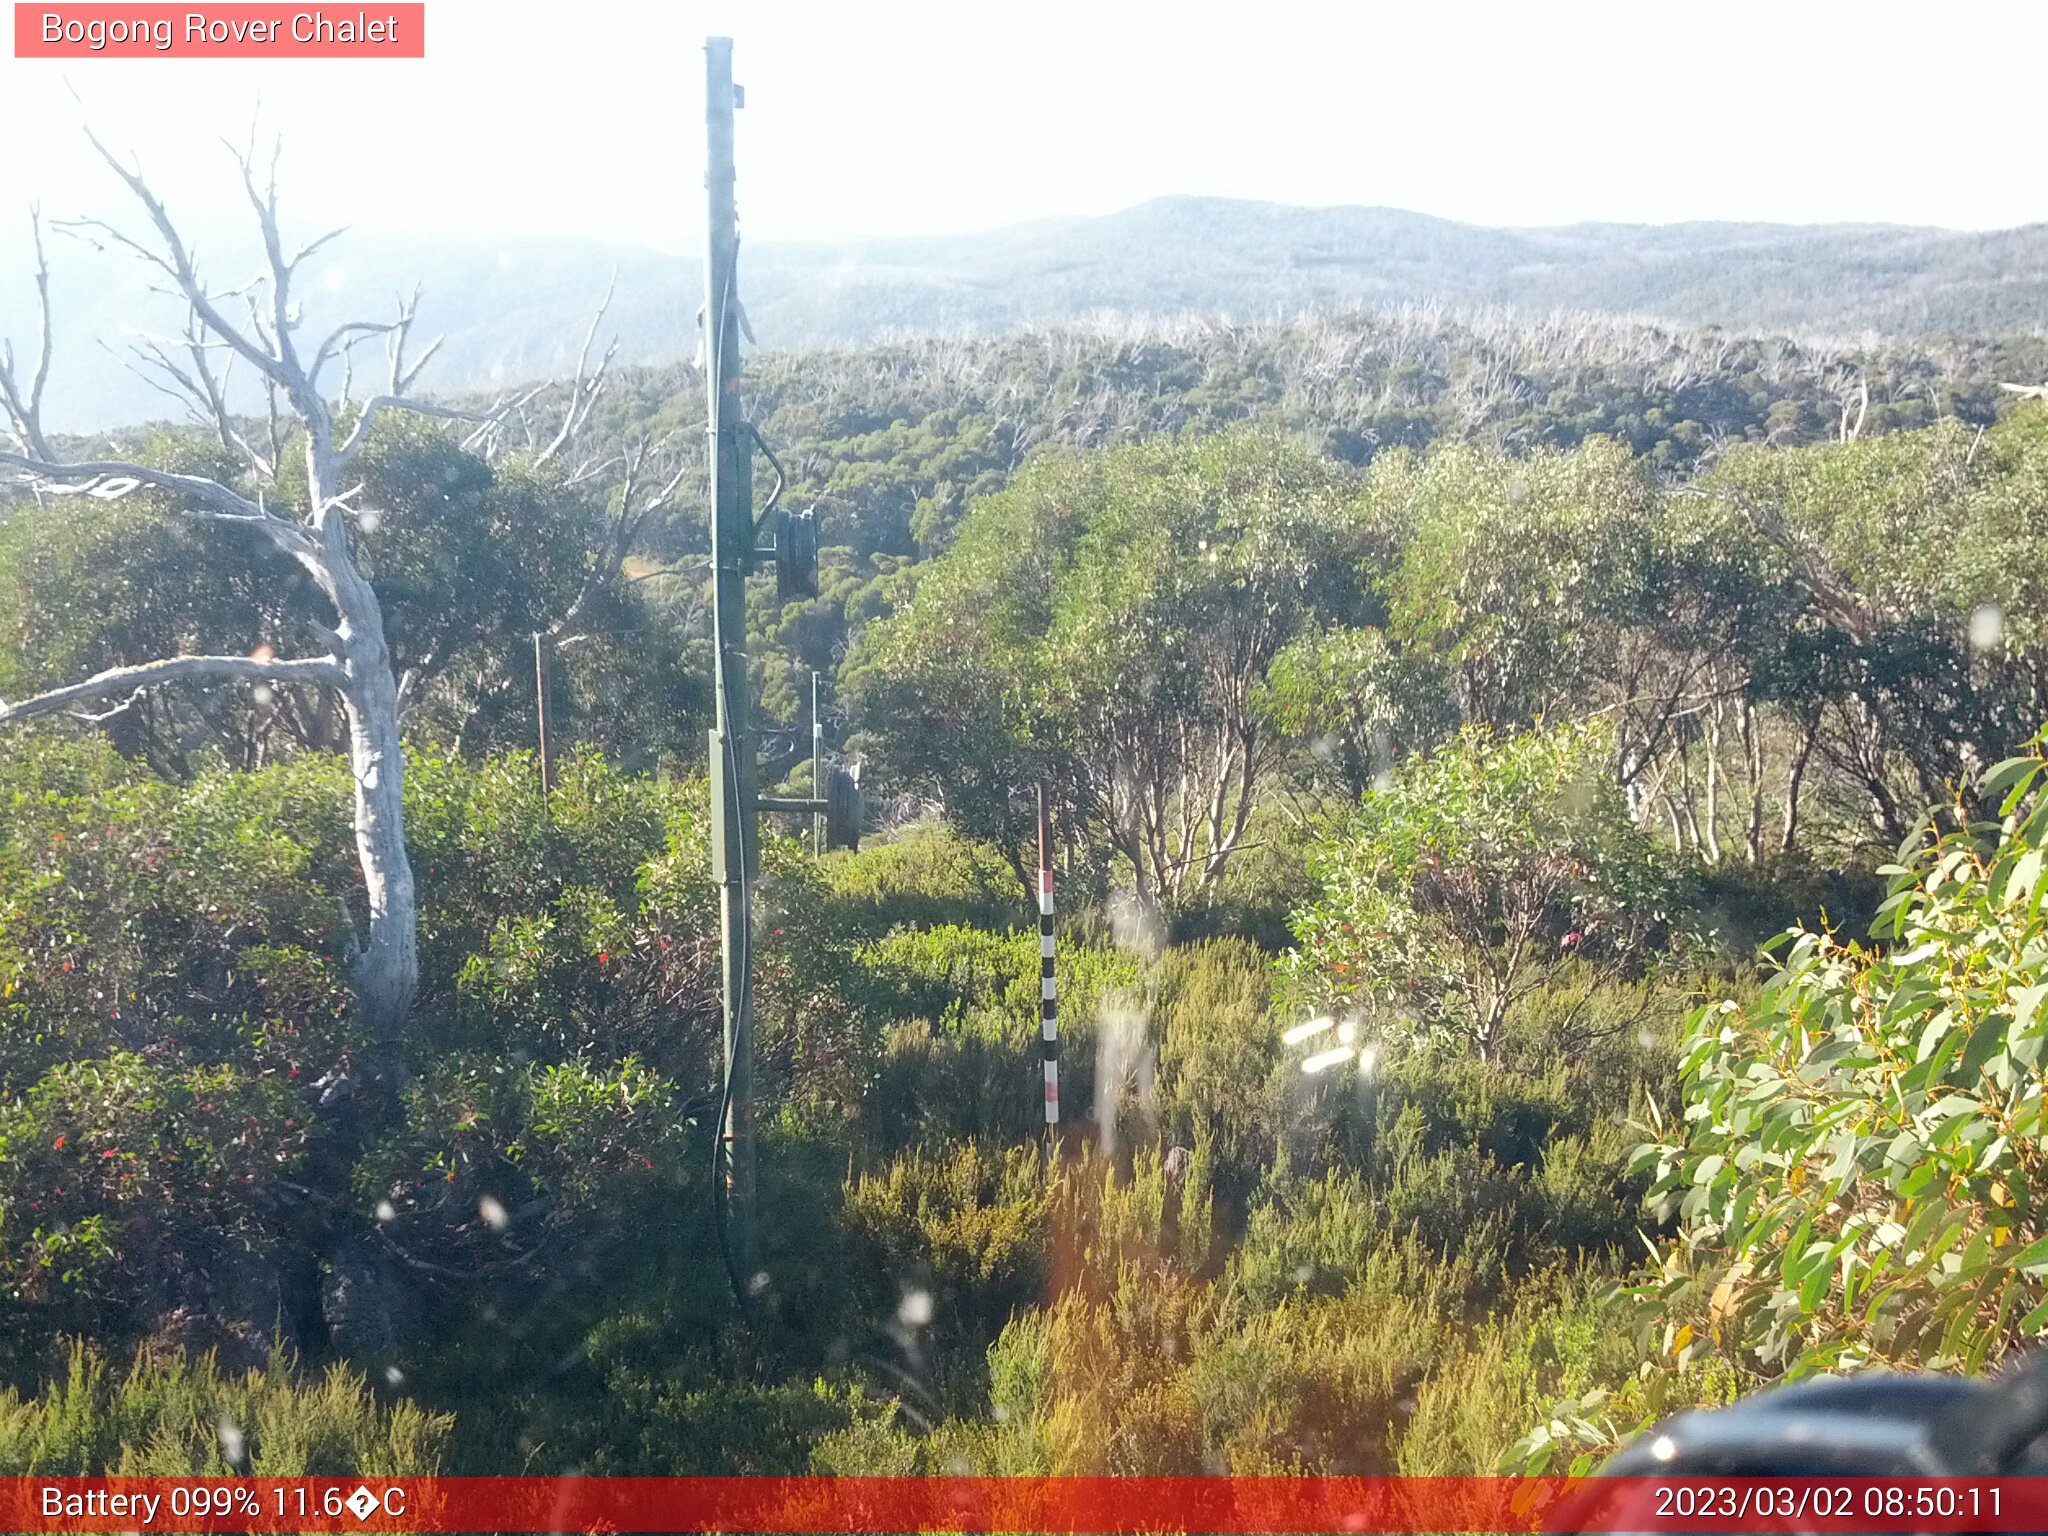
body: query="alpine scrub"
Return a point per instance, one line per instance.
(1858, 1178)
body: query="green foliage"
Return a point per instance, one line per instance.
(170, 1415)
(961, 1059)
(1854, 1179)
(1358, 700)
(1245, 1254)
(171, 987)
(122, 1178)
(1267, 880)
(1473, 878)
(961, 1237)
(1108, 620)
(469, 557)
(1512, 577)
(1218, 1050)
(1921, 552)
(929, 876)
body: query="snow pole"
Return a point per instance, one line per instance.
(1048, 985)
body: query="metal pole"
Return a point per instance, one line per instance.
(817, 769)
(540, 709)
(732, 744)
(1048, 986)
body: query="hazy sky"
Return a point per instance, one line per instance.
(584, 116)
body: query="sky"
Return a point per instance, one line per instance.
(556, 118)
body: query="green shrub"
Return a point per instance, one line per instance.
(1218, 1050)
(129, 1186)
(1474, 878)
(927, 877)
(962, 1060)
(1746, 905)
(173, 985)
(1852, 1171)
(170, 1415)
(1265, 883)
(1552, 1356)
(978, 1075)
(965, 1230)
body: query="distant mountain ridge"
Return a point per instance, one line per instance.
(516, 310)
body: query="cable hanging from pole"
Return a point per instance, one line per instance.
(731, 551)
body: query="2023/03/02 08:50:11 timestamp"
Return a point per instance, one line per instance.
(1762, 1500)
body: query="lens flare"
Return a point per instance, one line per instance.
(1322, 1061)
(1307, 1031)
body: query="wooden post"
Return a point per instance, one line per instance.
(817, 769)
(540, 710)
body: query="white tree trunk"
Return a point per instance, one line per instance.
(387, 971)
(358, 663)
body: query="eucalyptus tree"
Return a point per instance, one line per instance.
(1917, 561)
(292, 484)
(1107, 624)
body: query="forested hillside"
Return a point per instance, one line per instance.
(510, 308)
(1437, 718)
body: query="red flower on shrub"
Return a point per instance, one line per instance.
(58, 1144)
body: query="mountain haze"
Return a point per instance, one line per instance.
(516, 310)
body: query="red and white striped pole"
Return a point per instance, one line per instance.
(1048, 988)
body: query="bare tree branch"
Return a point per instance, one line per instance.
(583, 391)
(283, 321)
(176, 261)
(108, 479)
(377, 404)
(325, 670)
(634, 511)
(402, 377)
(24, 408)
(343, 337)
(205, 396)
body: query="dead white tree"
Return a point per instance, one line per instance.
(356, 662)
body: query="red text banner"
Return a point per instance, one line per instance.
(222, 31)
(818, 1505)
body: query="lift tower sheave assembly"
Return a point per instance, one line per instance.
(736, 550)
